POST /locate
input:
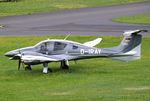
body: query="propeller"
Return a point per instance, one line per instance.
(19, 64)
(20, 61)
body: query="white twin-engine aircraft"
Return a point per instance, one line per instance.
(56, 50)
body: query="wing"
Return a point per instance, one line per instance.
(37, 58)
(46, 58)
(93, 42)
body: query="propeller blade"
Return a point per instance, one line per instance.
(19, 64)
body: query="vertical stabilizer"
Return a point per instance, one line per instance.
(130, 47)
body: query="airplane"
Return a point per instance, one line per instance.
(63, 51)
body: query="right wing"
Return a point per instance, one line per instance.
(93, 42)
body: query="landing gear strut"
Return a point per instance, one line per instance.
(64, 64)
(46, 69)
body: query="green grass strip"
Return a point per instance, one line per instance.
(88, 80)
(135, 19)
(35, 6)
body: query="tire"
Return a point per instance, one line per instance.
(28, 68)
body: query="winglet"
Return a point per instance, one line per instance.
(93, 42)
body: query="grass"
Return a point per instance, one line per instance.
(88, 80)
(136, 19)
(35, 6)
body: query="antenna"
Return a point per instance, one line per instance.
(67, 36)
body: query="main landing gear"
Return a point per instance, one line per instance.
(46, 69)
(63, 65)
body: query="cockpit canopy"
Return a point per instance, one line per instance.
(47, 47)
(59, 46)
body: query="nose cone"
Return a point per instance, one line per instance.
(11, 53)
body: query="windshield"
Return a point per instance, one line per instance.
(59, 46)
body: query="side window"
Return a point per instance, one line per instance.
(74, 47)
(59, 46)
(43, 48)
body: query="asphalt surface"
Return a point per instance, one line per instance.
(90, 21)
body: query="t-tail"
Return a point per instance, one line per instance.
(130, 47)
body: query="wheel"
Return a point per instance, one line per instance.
(50, 70)
(28, 68)
(65, 67)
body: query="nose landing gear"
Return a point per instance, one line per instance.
(28, 68)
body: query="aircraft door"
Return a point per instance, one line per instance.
(50, 47)
(43, 48)
(59, 47)
(46, 47)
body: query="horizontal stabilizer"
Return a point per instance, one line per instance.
(130, 32)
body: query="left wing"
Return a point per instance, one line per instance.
(46, 58)
(37, 58)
